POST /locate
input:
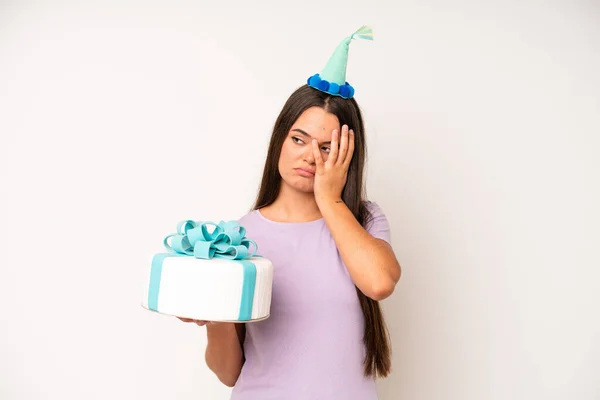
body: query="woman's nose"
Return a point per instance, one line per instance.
(309, 156)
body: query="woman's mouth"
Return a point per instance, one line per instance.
(305, 172)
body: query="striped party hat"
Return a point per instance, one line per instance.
(332, 78)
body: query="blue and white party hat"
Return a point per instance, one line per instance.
(332, 78)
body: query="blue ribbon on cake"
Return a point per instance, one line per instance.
(194, 239)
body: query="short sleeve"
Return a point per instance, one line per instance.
(377, 225)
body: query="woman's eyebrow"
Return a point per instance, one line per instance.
(307, 135)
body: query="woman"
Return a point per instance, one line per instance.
(325, 337)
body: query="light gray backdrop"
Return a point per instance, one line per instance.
(118, 119)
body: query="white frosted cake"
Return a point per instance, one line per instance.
(209, 275)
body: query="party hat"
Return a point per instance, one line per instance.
(332, 78)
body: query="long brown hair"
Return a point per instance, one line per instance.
(376, 336)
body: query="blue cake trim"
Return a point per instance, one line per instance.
(345, 91)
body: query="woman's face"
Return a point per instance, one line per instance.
(296, 162)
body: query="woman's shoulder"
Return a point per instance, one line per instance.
(374, 208)
(248, 218)
(376, 221)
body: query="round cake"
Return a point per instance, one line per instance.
(209, 274)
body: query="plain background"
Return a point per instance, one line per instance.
(119, 119)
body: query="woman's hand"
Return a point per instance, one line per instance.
(330, 177)
(198, 322)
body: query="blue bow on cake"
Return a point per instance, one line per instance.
(227, 240)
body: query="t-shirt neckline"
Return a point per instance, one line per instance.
(261, 216)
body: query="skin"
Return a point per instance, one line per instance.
(313, 165)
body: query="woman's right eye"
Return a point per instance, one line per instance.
(296, 139)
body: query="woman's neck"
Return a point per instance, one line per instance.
(292, 206)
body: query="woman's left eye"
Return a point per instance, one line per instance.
(326, 149)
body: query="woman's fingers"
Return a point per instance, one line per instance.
(196, 321)
(317, 155)
(334, 149)
(343, 146)
(350, 152)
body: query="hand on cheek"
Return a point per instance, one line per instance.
(331, 175)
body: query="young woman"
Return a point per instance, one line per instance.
(326, 337)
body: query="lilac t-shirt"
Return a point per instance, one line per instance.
(310, 348)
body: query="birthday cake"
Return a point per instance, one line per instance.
(210, 272)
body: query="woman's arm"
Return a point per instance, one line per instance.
(224, 352)
(371, 262)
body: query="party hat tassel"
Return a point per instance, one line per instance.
(365, 33)
(332, 78)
